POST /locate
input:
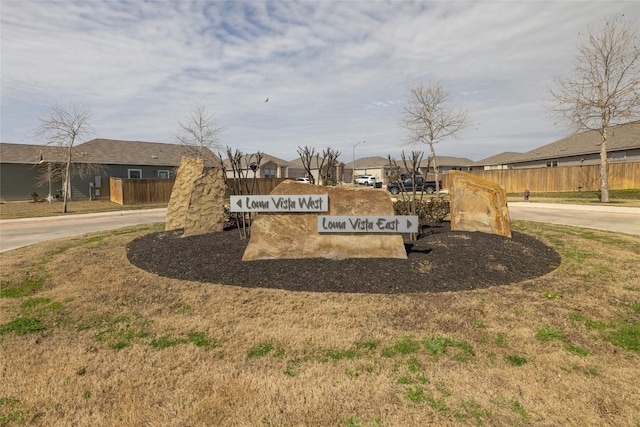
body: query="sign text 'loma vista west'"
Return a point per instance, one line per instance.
(280, 203)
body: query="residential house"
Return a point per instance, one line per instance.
(623, 145)
(268, 167)
(376, 166)
(25, 167)
(446, 164)
(335, 176)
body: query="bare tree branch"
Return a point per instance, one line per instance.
(64, 127)
(307, 154)
(429, 118)
(604, 88)
(200, 131)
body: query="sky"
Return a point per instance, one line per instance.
(335, 72)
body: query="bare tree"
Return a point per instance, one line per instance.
(240, 165)
(604, 87)
(307, 154)
(330, 156)
(200, 131)
(64, 127)
(429, 118)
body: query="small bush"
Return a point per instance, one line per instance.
(428, 211)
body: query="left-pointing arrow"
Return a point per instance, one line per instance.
(239, 203)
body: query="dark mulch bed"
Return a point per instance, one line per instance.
(441, 260)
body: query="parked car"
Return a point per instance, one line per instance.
(366, 180)
(303, 180)
(428, 187)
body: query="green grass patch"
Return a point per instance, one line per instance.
(11, 411)
(634, 307)
(515, 360)
(33, 302)
(626, 336)
(577, 350)
(337, 355)
(28, 286)
(23, 326)
(472, 410)
(439, 345)
(414, 365)
(501, 339)
(589, 323)
(407, 345)
(547, 333)
(200, 339)
(167, 341)
(371, 345)
(118, 338)
(415, 394)
(260, 350)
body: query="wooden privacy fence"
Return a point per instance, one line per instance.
(565, 178)
(133, 191)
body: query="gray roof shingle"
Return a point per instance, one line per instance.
(112, 151)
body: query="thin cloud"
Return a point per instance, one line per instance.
(335, 72)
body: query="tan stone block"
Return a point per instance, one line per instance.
(190, 169)
(295, 235)
(205, 212)
(478, 205)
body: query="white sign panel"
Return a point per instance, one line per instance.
(281, 203)
(368, 224)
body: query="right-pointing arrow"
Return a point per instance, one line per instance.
(409, 224)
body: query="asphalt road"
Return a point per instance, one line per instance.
(16, 233)
(609, 218)
(22, 232)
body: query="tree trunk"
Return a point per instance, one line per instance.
(66, 184)
(435, 170)
(604, 169)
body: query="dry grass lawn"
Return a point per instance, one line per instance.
(87, 339)
(13, 210)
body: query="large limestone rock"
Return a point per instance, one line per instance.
(206, 206)
(295, 235)
(478, 205)
(190, 169)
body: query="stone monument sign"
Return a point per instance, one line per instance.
(288, 235)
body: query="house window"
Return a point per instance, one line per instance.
(269, 173)
(134, 173)
(620, 155)
(552, 164)
(162, 174)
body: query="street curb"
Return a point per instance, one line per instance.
(81, 216)
(592, 208)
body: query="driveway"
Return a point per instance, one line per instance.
(15, 233)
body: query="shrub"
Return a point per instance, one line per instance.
(428, 211)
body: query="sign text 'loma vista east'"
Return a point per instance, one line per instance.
(368, 224)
